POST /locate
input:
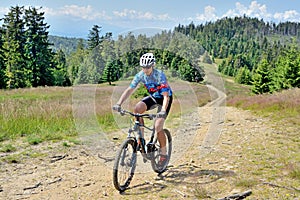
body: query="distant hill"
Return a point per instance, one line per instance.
(67, 44)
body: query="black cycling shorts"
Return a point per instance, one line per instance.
(152, 103)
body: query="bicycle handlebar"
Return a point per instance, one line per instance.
(149, 116)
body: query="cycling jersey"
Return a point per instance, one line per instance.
(156, 83)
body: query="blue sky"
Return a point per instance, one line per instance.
(74, 18)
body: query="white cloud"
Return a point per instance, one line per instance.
(164, 17)
(257, 10)
(82, 12)
(89, 13)
(253, 10)
(290, 15)
(133, 14)
(240, 8)
(208, 15)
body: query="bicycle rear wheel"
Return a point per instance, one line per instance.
(156, 153)
(125, 164)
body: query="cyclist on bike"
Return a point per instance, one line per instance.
(160, 94)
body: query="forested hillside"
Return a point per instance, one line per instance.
(31, 58)
(68, 45)
(253, 51)
(265, 55)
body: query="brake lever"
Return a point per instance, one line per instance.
(122, 112)
(151, 117)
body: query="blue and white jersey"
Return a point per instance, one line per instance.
(156, 83)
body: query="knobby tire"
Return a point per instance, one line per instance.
(125, 164)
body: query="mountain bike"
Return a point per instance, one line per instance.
(126, 157)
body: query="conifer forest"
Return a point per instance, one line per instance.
(262, 54)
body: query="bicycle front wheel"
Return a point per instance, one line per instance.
(125, 164)
(157, 150)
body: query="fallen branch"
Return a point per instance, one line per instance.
(33, 187)
(239, 196)
(106, 159)
(55, 181)
(280, 186)
(57, 158)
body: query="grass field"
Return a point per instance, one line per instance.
(35, 115)
(47, 113)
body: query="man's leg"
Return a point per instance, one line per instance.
(140, 108)
(159, 124)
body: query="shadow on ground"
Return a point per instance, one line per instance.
(185, 174)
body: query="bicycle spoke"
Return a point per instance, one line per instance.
(124, 166)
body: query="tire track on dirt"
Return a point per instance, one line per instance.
(218, 110)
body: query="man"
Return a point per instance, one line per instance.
(160, 94)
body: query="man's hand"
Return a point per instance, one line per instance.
(117, 107)
(161, 114)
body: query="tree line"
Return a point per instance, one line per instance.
(108, 60)
(28, 59)
(264, 55)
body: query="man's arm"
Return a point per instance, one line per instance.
(125, 95)
(165, 101)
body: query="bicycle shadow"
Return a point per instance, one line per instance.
(185, 174)
(144, 188)
(191, 174)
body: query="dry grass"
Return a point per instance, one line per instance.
(41, 114)
(282, 106)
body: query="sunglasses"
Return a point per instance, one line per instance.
(148, 67)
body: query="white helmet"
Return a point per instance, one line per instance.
(147, 60)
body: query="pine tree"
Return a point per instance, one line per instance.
(37, 48)
(243, 76)
(82, 75)
(287, 74)
(2, 66)
(262, 78)
(188, 72)
(18, 75)
(60, 75)
(108, 52)
(91, 69)
(75, 60)
(112, 71)
(94, 38)
(94, 63)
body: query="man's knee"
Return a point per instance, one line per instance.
(140, 107)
